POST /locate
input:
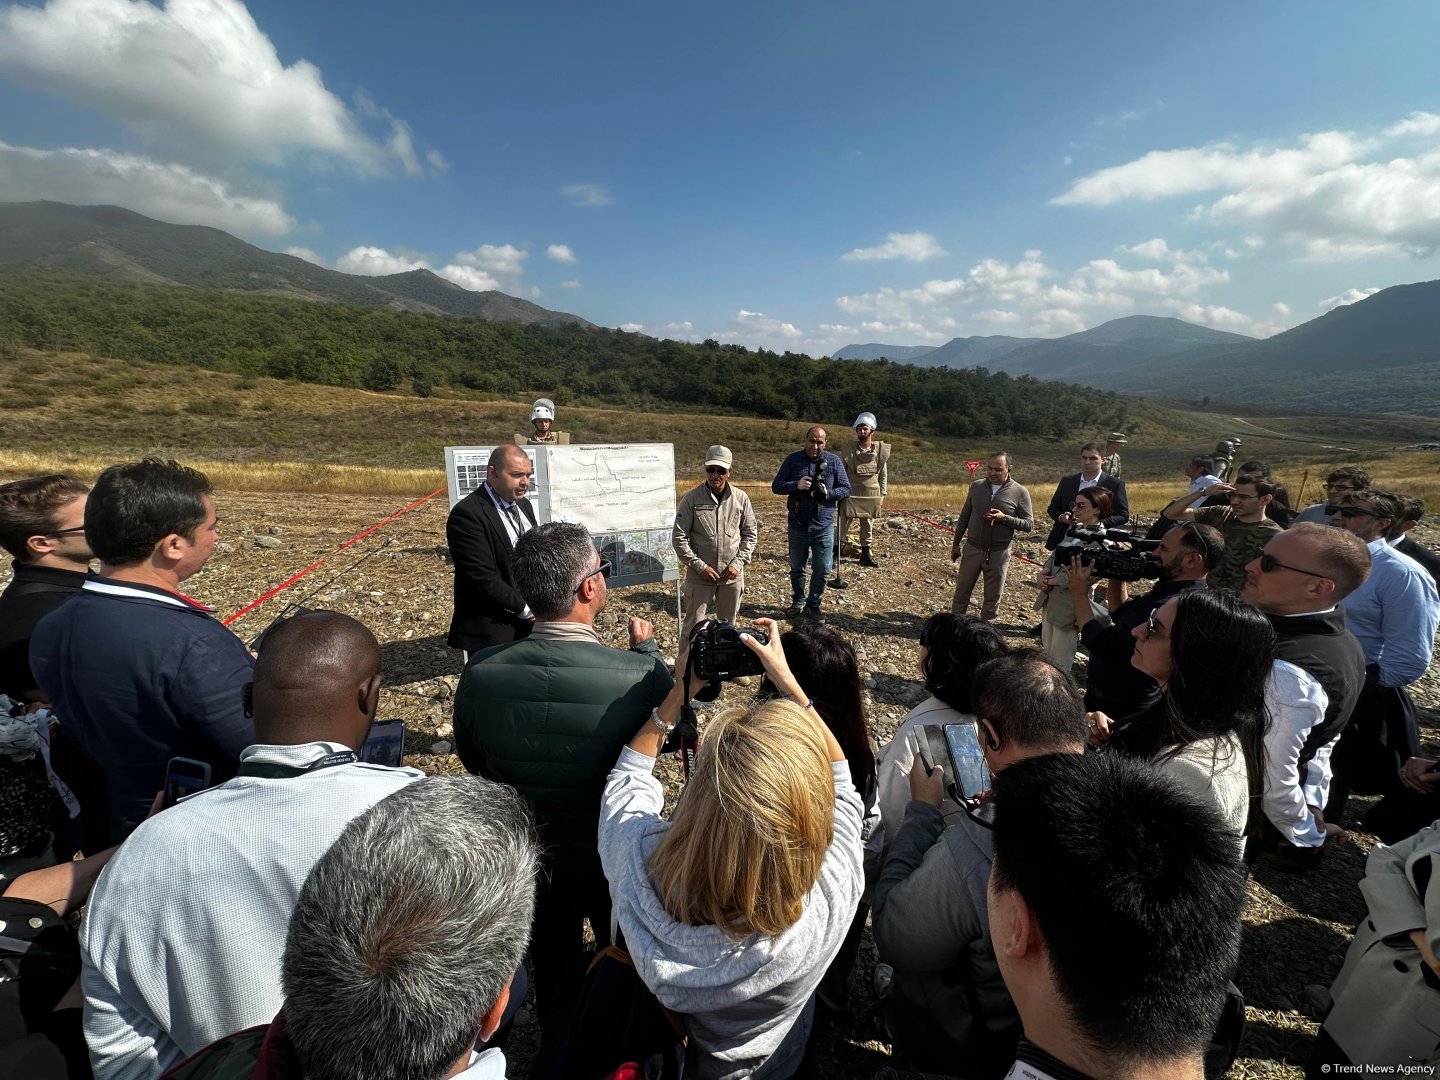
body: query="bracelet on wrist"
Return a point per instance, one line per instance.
(659, 723)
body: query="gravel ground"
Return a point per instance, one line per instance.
(1296, 928)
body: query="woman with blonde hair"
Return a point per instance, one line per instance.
(733, 909)
(1059, 629)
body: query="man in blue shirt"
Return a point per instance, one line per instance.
(137, 671)
(815, 481)
(1394, 616)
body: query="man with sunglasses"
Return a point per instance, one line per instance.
(1339, 482)
(1114, 686)
(548, 714)
(1394, 615)
(1298, 581)
(714, 537)
(1243, 524)
(42, 525)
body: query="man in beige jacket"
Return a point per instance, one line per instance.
(714, 537)
(995, 510)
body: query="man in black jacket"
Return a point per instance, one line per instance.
(1412, 510)
(42, 524)
(1092, 458)
(481, 531)
(549, 715)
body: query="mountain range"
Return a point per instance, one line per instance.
(121, 245)
(1379, 354)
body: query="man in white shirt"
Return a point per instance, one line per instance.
(1303, 573)
(183, 935)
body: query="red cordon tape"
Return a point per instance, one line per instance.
(348, 543)
(947, 528)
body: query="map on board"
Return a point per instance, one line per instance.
(625, 496)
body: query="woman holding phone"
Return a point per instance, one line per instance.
(733, 908)
(1211, 652)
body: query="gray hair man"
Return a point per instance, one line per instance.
(404, 942)
(714, 537)
(549, 715)
(995, 509)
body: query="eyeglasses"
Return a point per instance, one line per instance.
(1348, 512)
(65, 532)
(1152, 627)
(1199, 538)
(1269, 564)
(715, 470)
(603, 570)
(1340, 487)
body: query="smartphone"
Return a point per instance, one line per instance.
(972, 775)
(385, 745)
(184, 776)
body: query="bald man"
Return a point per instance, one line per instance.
(814, 482)
(481, 531)
(182, 939)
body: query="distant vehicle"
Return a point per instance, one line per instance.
(1425, 446)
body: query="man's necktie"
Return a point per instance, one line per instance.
(513, 513)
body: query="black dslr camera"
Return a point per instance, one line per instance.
(1134, 564)
(717, 654)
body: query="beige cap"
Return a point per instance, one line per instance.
(1118, 437)
(719, 455)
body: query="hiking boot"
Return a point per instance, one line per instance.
(813, 612)
(795, 610)
(866, 559)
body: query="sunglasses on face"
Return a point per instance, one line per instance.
(716, 470)
(1200, 539)
(1269, 564)
(1348, 512)
(66, 532)
(603, 570)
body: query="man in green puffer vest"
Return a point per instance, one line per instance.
(548, 715)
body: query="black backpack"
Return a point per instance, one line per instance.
(620, 1030)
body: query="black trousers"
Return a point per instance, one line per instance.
(558, 955)
(1381, 735)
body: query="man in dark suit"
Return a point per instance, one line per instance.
(481, 532)
(1092, 458)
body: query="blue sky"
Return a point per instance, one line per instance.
(796, 175)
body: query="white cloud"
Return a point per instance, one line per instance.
(835, 328)
(1219, 317)
(468, 277)
(306, 254)
(759, 322)
(170, 192)
(1281, 309)
(1417, 123)
(198, 77)
(632, 327)
(1157, 250)
(573, 283)
(914, 247)
(1349, 296)
(587, 194)
(1333, 196)
(375, 261)
(560, 253)
(502, 260)
(1104, 276)
(1129, 116)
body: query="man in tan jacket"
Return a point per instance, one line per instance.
(714, 537)
(994, 511)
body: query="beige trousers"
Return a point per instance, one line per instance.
(975, 562)
(702, 599)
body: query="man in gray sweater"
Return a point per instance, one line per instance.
(995, 510)
(948, 1010)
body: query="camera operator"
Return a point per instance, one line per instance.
(815, 481)
(1113, 685)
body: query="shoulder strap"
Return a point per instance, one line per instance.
(884, 452)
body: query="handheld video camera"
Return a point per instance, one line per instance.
(1134, 564)
(718, 655)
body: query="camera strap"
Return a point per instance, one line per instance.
(687, 741)
(267, 770)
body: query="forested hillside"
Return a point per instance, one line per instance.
(387, 350)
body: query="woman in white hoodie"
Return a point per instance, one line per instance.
(951, 648)
(733, 909)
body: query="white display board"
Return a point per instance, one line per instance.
(624, 494)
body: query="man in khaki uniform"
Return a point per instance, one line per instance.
(1112, 452)
(995, 510)
(714, 537)
(867, 463)
(542, 417)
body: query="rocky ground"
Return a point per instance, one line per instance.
(397, 582)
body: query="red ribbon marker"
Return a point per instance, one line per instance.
(348, 543)
(973, 465)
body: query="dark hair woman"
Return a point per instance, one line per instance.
(1211, 652)
(951, 648)
(1059, 626)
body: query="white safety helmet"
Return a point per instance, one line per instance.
(868, 419)
(543, 409)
